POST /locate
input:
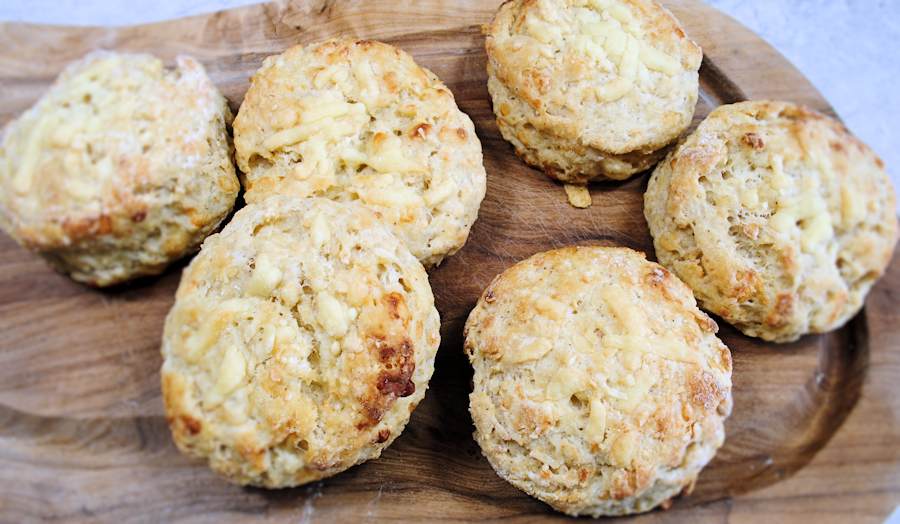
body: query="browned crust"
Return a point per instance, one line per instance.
(396, 357)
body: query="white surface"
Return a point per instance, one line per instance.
(846, 47)
(894, 518)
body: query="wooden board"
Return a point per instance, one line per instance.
(815, 434)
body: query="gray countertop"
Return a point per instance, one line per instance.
(846, 47)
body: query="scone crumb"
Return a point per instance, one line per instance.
(597, 387)
(354, 120)
(588, 90)
(777, 230)
(288, 358)
(122, 167)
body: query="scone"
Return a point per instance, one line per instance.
(776, 216)
(590, 89)
(356, 120)
(302, 337)
(599, 386)
(122, 167)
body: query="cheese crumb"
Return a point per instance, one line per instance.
(231, 371)
(332, 315)
(265, 277)
(579, 196)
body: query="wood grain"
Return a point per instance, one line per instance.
(815, 434)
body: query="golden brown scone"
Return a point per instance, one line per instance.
(122, 167)
(776, 216)
(302, 337)
(360, 120)
(599, 386)
(590, 89)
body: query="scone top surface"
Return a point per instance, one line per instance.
(302, 337)
(121, 167)
(360, 120)
(617, 76)
(599, 386)
(777, 217)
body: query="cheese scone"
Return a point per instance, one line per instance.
(776, 216)
(357, 120)
(302, 337)
(120, 168)
(599, 387)
(590, 89)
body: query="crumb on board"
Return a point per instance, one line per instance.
(579, 196)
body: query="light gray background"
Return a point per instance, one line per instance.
(848, 48)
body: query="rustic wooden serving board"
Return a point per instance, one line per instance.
(815, 434)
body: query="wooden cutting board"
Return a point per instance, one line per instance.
(815, 434)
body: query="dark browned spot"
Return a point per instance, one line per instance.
(398, 363)
(383, 435)
(191, 424)
(386, 352)
(393, 381)
(753, 140)
(397, 386)
(139, 216)
(461, 133)
(371, 416)
(489, 296)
